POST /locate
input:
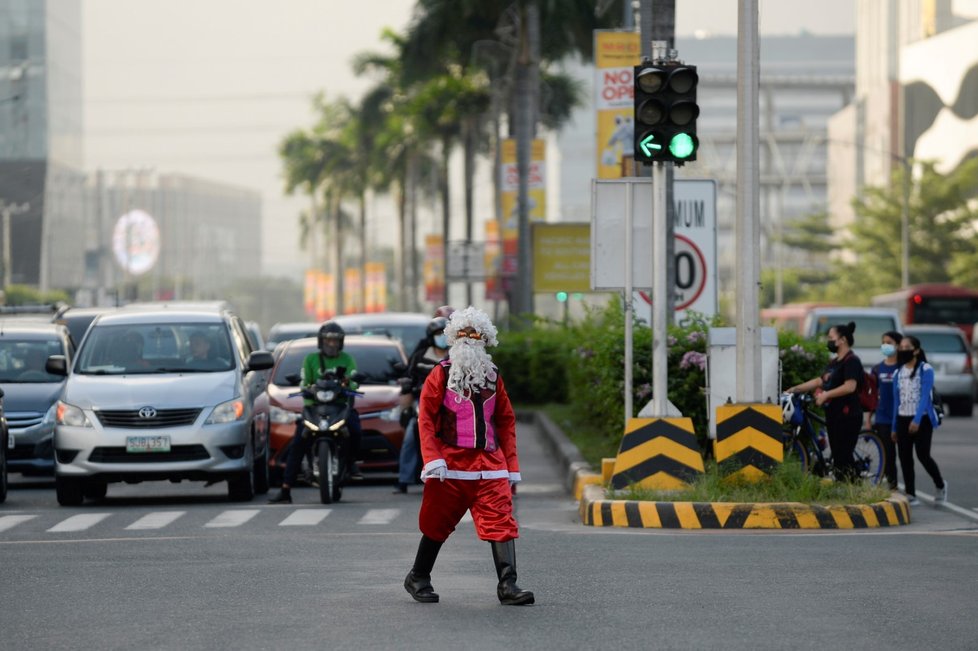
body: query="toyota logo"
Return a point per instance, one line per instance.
(147, 412)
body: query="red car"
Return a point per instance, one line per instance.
(380, 359)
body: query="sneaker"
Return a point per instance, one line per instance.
(281, 497)
(941, 496)
(912, 500)
(400, 489)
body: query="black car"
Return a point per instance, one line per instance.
(77, 320)
(30, 392)
(4, 443)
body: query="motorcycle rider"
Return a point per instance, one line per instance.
(329, 356)
(433, 349)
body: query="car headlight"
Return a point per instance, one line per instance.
(227, 412)
(51, 415)
(70, 415)
(281, 416)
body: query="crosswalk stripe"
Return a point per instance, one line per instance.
(79, 522)
(379, 516)
(305, 517)
(11, 521)
(156, 520)
(232, 518)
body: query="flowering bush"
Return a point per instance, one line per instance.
(583, 364)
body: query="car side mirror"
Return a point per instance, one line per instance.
(358, 376)
(399, 367)
(260, 360)
(293, 379)
(56, 365)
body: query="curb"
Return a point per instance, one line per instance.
(598, 511)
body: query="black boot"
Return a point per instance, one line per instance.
(284, 496)
(418, 580)
(510, 594)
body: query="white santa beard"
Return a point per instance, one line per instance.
(471, 366)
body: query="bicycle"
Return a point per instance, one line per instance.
(803, 442)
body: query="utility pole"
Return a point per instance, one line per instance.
(527, 91)
(748, 205)
(9, 210)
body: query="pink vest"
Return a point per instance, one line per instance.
(466, 422)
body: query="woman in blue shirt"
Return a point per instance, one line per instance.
(914, 418)
(883, 418)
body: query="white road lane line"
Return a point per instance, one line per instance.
(79, 522)
(305, 518)
(11, 521)
(232, 518)
(156, 520)
(379, 516)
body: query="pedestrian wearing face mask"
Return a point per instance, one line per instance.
(883, 417)
(837, 391)
(914, 417)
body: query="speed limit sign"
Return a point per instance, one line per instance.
(690, 270)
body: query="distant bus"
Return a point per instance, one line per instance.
(934, 303)
(790, 316)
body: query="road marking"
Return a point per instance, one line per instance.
(11, 521)
(305, 518)
(466, 518)
(79, 522)
(156, 520)
(379, 516)
(232, 518)
(948, 506)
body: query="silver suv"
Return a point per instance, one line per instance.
(160, 394)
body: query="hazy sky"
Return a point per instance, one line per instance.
(210, 87)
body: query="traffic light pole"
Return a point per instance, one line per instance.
(660, 283)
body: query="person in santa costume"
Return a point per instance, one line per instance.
(467, 430)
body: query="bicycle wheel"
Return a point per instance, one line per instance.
(869, 456)
(795, 449)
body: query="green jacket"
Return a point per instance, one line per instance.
(316, 363)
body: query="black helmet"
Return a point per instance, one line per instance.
(332, 330)
(435, 326)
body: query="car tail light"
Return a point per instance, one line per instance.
(967, 364)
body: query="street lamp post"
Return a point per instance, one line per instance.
(8, 210)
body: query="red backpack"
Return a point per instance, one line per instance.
(869, 394)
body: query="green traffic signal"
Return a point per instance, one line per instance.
(682, 145)
(562, 297)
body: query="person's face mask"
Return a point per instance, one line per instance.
(832, 345)
(887, 349)
(441, 341)
(904, 356)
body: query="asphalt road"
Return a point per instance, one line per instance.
(179, 567)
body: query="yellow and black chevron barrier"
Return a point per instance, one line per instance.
(659, 453)
(720, 515)
(750, 436)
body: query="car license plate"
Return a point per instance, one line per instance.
(139, 444)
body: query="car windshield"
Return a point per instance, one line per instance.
(22, 360)
(941, 342)
(375, 362)
(156, 348)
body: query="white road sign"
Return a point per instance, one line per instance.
(695, 245)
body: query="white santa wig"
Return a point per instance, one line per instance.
(471, 317)
(471, 366)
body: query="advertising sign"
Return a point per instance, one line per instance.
(136, 242)
(376, 286)
(434, 269)
(509, 199)
(615, 54)
(561, 258)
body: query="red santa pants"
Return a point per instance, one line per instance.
(443, 504)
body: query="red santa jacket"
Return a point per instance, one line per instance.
(497, 460)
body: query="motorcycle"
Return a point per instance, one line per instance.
(325, 421)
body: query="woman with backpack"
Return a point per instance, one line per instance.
(839, 386)
(914, 417)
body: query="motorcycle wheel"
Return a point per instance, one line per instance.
(326, 477)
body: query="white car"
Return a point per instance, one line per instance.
(871, 323)
(954, 376)
(142, 402)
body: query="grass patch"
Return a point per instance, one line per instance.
(788, 483)
(593, 444)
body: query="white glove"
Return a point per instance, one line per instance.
(438, 472)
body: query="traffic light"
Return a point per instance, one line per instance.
(561, 297)
(665, 113)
